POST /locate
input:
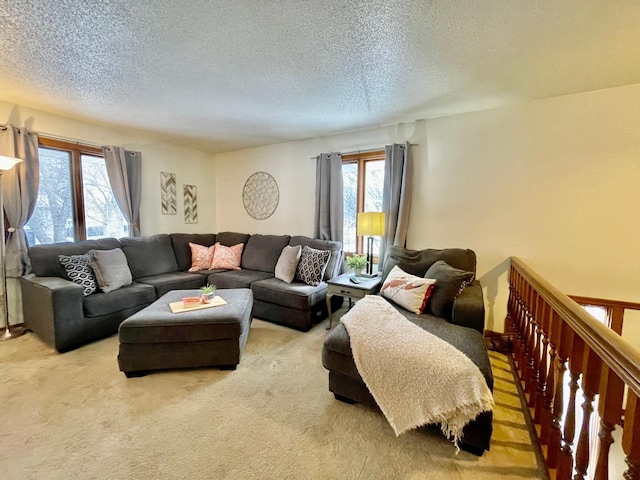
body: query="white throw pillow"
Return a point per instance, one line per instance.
(407, 290)
(288, 263)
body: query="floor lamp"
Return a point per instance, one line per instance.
(372, 225)
(6, 163)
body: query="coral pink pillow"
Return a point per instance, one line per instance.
(201, 257)
(227, 257)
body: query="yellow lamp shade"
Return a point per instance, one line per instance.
(371, 224)
(7, 163)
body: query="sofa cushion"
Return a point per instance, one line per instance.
(111, 269)
(237, 278)
(227, 257)
(334, 265)
(297, 295)
(288, 263)
(149, 256)
(417, 262)
(133, 295)
(44, 258)
(449, 283)
(312, 265)
(407, 290)
(79, 271)
(232, 238)
(166, 282)
(262, 252)
(201, 257)
(180, 243)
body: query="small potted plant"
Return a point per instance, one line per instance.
(207, 293)
(356, 263)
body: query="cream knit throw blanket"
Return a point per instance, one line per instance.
(415, 377)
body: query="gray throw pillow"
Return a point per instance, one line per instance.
(288, 263)
(449, 283)
(111, 269)
(312, 265)
(79, 271)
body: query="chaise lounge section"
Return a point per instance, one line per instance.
(55, 309)
(462, 327)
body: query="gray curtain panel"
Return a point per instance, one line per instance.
(329, 206)
(124, 169)
(396, 196)
(19, 192)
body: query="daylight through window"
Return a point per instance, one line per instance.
(75, 200)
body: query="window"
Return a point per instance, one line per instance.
(363, 179)
(75, 200)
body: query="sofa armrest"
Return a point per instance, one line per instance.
(51, 307)
(468, 307)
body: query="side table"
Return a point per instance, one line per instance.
(342, 286)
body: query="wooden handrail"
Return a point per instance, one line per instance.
(616, 352)
(560, 350)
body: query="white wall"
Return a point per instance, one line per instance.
(554, 182)
(191, 166)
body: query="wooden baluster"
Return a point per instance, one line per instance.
(542, 368)
(610, 408)
(522, 340)
(565, 461)
(516, 316)
(528, 343)
(631, 436)
(591, 369)
(534, 373)
(554, 393)
(616, 319)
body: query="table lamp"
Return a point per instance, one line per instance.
(6, 163)
(370, 224)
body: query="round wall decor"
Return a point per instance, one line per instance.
(260, 195)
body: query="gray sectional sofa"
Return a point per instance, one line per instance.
(56, 310)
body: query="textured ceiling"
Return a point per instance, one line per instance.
(228, 74)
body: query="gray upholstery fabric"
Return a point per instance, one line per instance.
(111, 269)
(156, 339)
(149, 256)
(288, 263)
(468, 308)
(236, 278)
(294, 295)
(335, 260)
(166, 282)
(230, 239)
(133, 295)
(417, 262)
(262, 252)
(44, 258)
(180, 243)
(449, 283)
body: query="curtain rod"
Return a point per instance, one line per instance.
(58, 137)
(365, 150)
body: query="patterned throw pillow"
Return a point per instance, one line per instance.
(288, 263)
(79, 271)
(407, 290)
(227, 257)
(312, 265)
(201, 257)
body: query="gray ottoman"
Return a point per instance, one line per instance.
(156, 339)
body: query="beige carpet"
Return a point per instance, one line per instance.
(76, 416)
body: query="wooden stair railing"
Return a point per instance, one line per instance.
(614, 309)
(554, 336)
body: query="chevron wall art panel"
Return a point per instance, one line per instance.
(190, 204)
(168, 193)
